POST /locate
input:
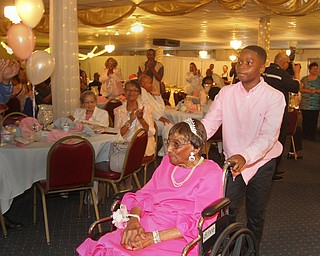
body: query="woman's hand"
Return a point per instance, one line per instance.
(7, 72)
(133, 235)
(139, 113)
(143, 243)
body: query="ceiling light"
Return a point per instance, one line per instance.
(117, 33)
(203, 54)
(109, 48)
(232, 57)
(90, 55)
(8, 49)
(235, 44)
(136, 27)
(11, 13)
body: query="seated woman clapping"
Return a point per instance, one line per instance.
(89, 112)
(132, 115)
(163, 215)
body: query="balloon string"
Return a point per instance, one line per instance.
(33, 102)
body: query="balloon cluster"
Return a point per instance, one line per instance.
(21, 39)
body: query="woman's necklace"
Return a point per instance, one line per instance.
(179, 184)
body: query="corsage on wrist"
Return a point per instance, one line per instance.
(121, 217)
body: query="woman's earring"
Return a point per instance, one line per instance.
(192, 157)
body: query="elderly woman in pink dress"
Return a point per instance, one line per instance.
(164, 213)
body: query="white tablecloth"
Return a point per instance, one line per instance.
(21, 167)
(176, 116)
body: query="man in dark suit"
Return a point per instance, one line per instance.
(277, 76)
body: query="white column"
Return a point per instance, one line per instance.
(65, 84)
(264, 35)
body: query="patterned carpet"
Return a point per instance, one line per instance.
(292, 223)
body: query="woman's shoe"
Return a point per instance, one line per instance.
(291, 156)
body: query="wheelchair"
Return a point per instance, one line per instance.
(221, 238)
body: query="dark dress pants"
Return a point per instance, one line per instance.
(256, 195)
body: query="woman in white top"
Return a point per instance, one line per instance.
(89, 112)
(132, 115)
(194, 78)
(111, 79)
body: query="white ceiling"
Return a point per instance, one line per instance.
(208, 28)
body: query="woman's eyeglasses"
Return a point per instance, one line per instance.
(131, 90)
(174, 144)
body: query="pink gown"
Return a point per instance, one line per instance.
(165, 206)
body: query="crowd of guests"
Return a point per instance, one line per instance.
(251, 102)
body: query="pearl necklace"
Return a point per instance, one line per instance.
(179, 184)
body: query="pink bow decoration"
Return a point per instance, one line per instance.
(57, 134)
(27, 126)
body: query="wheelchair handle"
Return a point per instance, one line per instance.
(228, 164)
(226, 168)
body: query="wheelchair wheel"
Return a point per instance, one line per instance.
(235, 240)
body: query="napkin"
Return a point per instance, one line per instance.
(27, 125)
(60, 122)
(88, 131)
(57, 134)
(78, 127)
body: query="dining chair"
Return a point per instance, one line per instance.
(132, 163)
(179, 96)
(216, 138)
(166, 97)
(150, 159)
(13, 105)
(110, 106)
(291, 130)
(12, 117)
(70, 167)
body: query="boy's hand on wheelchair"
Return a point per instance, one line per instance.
(239, 163)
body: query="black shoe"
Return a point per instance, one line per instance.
(279, 173)
(291, 156)
(11, 224)
(277, 178)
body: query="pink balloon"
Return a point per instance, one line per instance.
(21, 40)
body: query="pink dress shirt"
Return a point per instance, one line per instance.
(250, 123)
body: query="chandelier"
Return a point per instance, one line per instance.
(109, 48)
(232, 57)
(137, 26)
(11, 13)
(235, 44)
(203, 54)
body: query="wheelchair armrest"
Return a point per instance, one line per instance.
(215, 207)
(97, 222)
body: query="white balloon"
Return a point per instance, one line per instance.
(39, 67)
(30, 11)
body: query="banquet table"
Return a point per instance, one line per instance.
(176, 116)
(22, 166)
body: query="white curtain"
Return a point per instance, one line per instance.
(175, 68)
